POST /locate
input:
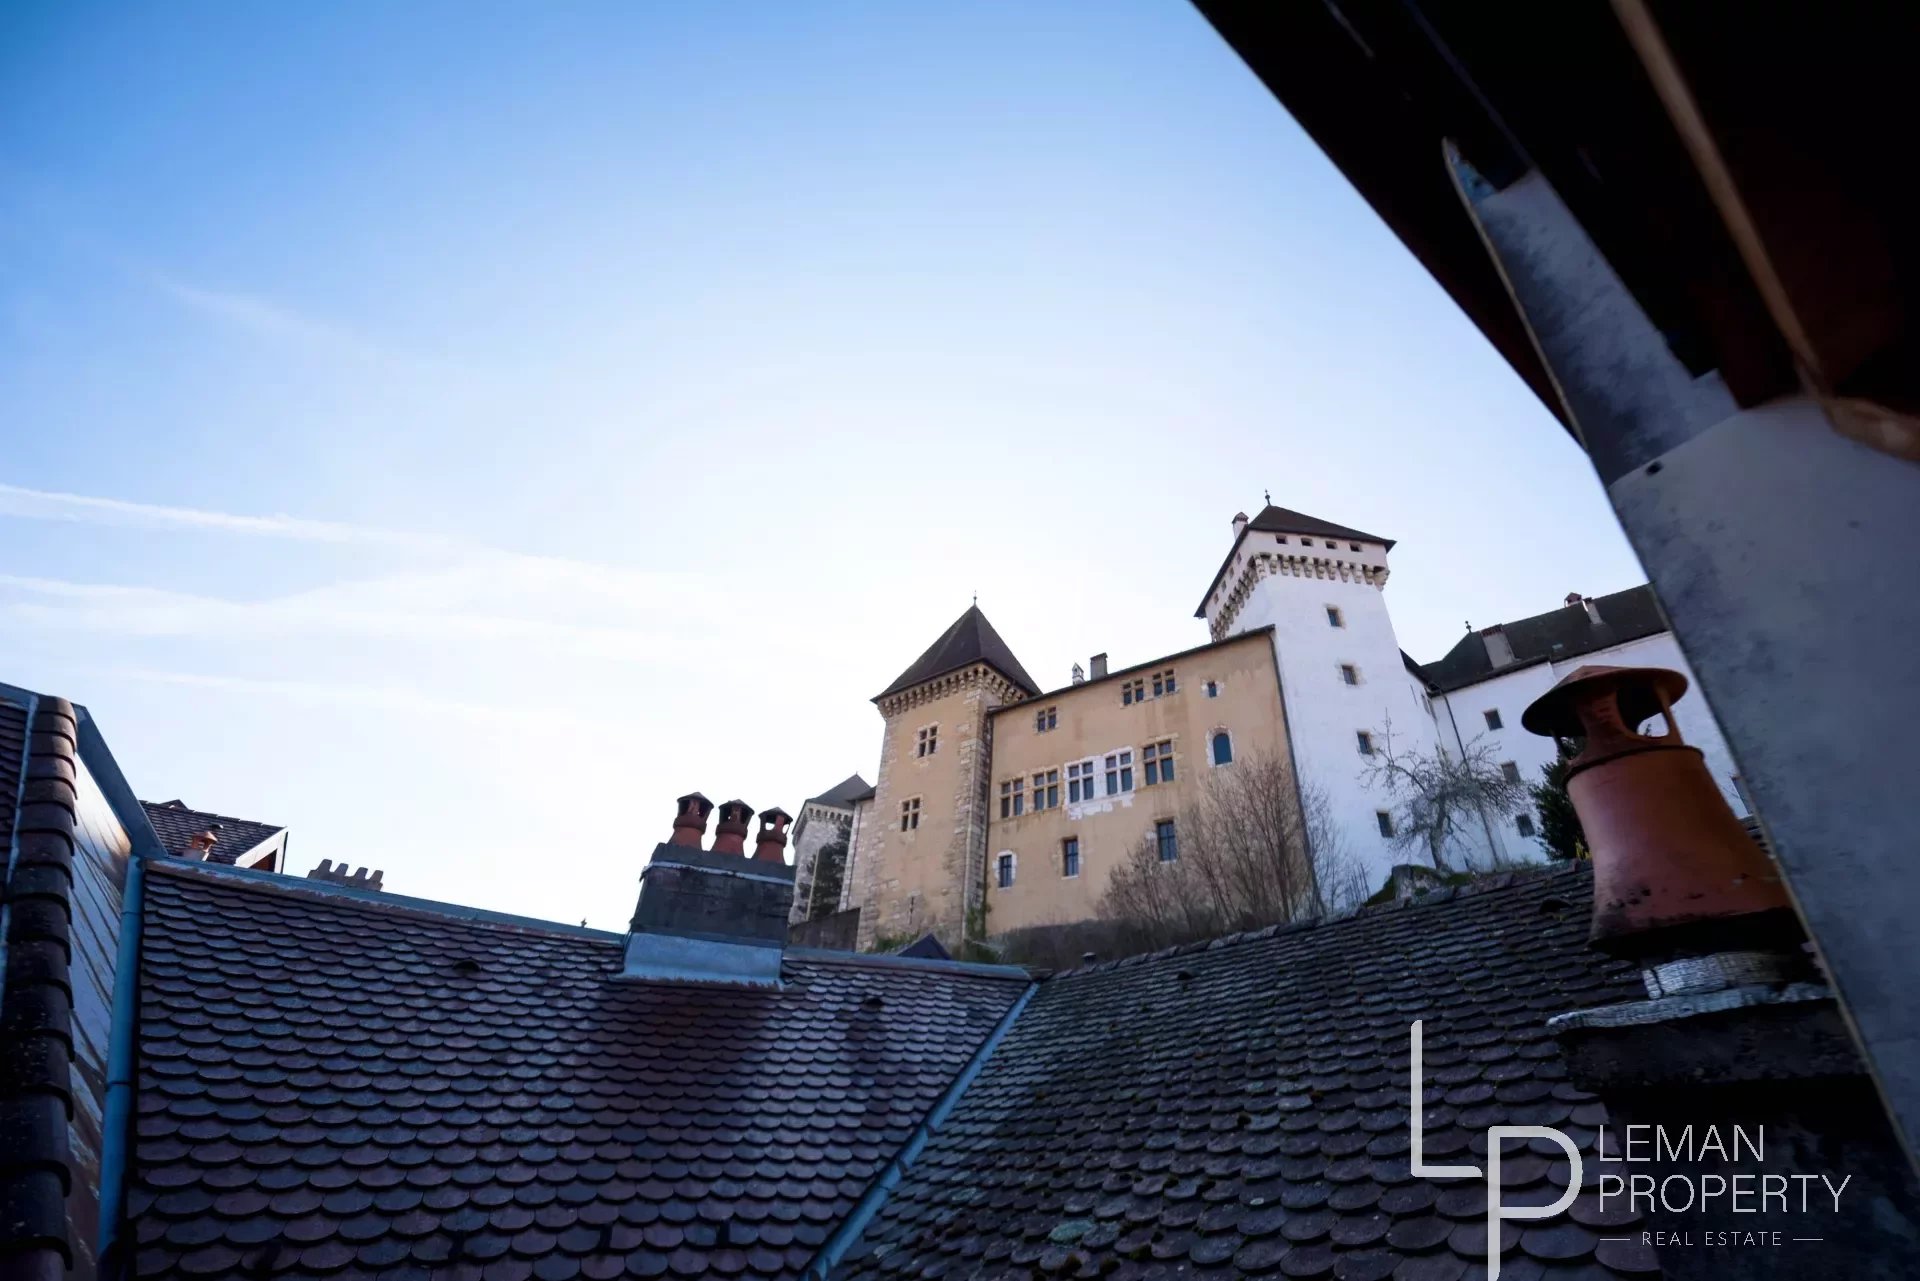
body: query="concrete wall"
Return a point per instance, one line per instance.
(1290, 587)
(1091, 722)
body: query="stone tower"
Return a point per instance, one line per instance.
(1343, 676)
(920, 865)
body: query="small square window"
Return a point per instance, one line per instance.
(1334, 618)
(1119, 772)
(1385, 820)
(1070, 857)
(1013, 798)
(1046, 790)
(910, 814)
(1213, 689)
(1166, 841)
(1133, 691)
(1525, 823)
(929, 741)
(1510, 771)
(1493, 718)
(1354, 546)
(1046, 718)
(1364, 741)
(1080, 782)
(1349, 674)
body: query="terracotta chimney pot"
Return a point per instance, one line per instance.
(690, 823)
(1674, 871)
(730, 834)
(770, 846)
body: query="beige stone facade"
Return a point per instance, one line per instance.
(1087, 764)
(919, 861)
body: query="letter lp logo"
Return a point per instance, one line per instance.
(1496, 1135)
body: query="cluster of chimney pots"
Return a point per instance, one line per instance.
(730, 834)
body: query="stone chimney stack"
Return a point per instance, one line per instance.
(361, 879)
(713, 916)
(1099, 665)
(1499, 648)
(1239, 524)
(200, 844)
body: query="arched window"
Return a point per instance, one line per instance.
(1222, 748)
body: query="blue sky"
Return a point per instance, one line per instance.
(454, 430)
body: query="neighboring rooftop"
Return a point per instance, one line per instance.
(176, 824)
(970, 640)
(385, 1085)
(848, 792)
(1567, 632)
(1239, 1108)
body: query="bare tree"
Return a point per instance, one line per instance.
(1250, 852)
(1437, 798)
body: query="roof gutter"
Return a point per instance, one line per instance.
(836, 1247)
(116, 1130)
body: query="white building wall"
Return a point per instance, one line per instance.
(1509, 693)
(1324, 713)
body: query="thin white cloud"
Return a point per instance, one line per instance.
(43, 504)
(389, 698)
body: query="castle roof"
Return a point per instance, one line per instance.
(849, 791)
(970, 640)
(1563, 633)
(1284, 520)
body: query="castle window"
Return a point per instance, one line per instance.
(1070, 857)
(910, 815)
(1003, 870)
(1334, 619)
(1013, 798)
(1385, 820)
(1163, 683)
(1212, 688)
(1133, 691)
(1080, 782)
(1119, 773)
(1046, 790)
(1306, 542)
(1493, 718)
(1525, 823)
(1364, 741)
(929, 741)
(1166, 841)
(1349, 673)
(1510, 771)
(1046, 718)
(1158, 760)
(1354, 546)
(1222, 748)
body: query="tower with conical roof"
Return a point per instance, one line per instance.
(920, 865)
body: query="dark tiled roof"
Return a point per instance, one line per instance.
(1240, 1108)
(970, 640)
(1283, 520)
(1564, 633)
(176, 825)
(848, 791)
(39, 764)
(394, 1092)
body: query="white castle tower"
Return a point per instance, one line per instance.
(1343, 677)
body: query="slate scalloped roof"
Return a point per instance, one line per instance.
(1239, 1109)
(1567, 632)
(971, 639)
(383, 1091)
(176, 825)
(847, 792)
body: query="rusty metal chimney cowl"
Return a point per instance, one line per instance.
(771, 844)
(730, 834)
(1675, 873)
(690, 822)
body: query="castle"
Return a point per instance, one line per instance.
(1000, 805)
